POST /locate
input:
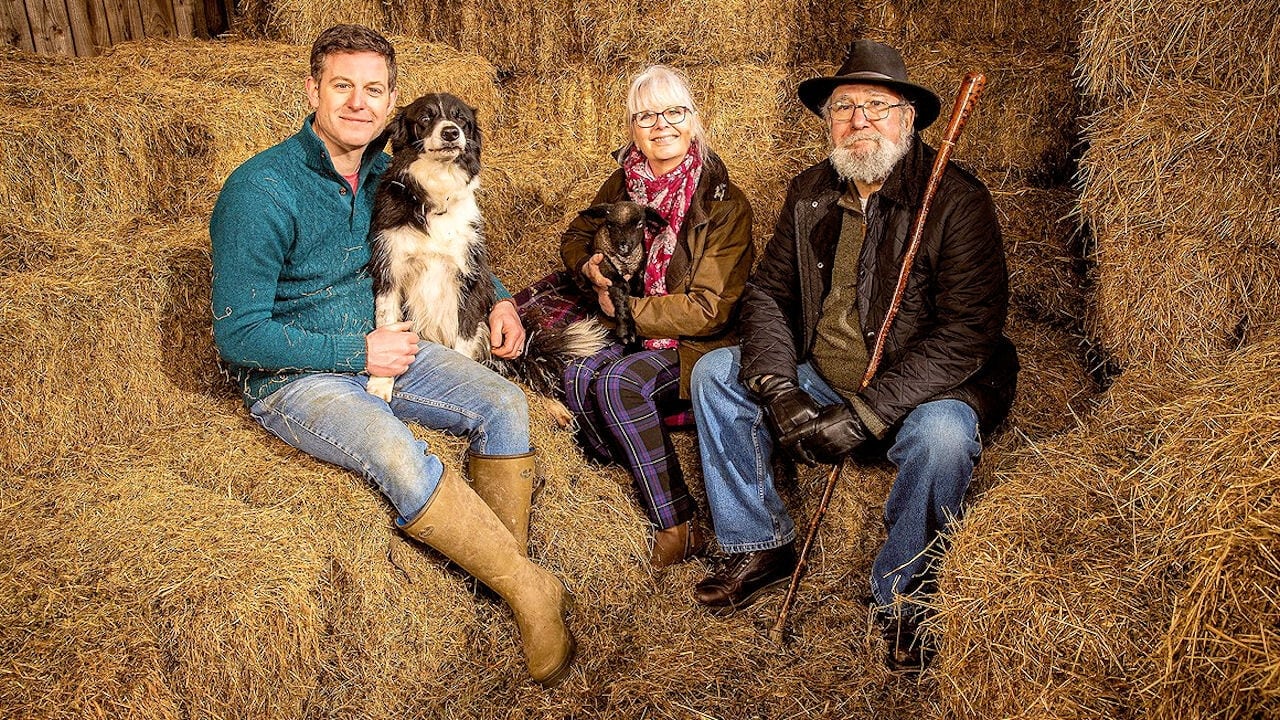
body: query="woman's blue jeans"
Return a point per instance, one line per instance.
(935, 451)
(330, 416)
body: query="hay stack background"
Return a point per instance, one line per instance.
(163, 557)
(1157, 587)
(154, 129)
(1180, 179)
(1187, 223)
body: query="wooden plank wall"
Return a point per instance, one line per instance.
(87, 27)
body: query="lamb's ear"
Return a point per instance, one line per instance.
(401, 131)
(653, 218)
(596, 211)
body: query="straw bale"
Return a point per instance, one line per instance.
(25, 246)
(528, 197)
(522, 37)
(403, 629)
(1023, 130)
(698, 32)
(1129, 48)
(824, 30)
(393, 615)
(1043, 249)
(129, 594)
(93, 340)
(1186, 218)
(584, 106)
(154, 128)
(1024, 126)
(298, 23)
(278, 71)
(1055, 390)
(1116, 571)
(1045, 24)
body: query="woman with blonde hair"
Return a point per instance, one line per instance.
(694, 273)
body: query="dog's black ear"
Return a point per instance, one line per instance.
(473, 141)
(380, 143)
(597, 211)
(401, 130)
(475, 128)
(653, 218)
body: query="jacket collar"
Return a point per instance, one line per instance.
(317, 155)
(713, 185)
(905, 184)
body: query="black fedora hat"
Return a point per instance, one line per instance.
(872, 63)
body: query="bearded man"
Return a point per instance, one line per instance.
(810, 315)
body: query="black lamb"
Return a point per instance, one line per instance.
(621, 241)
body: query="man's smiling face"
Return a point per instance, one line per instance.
(352, 100)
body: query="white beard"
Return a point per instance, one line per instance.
(869, 166)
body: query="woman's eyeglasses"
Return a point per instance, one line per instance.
(673, 116)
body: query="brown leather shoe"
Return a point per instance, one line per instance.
(743, 577)
(677, 544)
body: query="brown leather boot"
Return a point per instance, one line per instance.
(505, 483)
(462, 527)
(743, 577)
(677, 544)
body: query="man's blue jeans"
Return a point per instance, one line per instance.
(330, 416)
(935, 451)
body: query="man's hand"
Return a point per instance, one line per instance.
(390, 349)
(506, 332)
(832, 435)
(591, 271)
(788, 410)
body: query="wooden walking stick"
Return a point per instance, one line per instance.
(966, 100)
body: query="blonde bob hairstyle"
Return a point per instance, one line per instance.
(659, 87)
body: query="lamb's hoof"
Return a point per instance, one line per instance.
(560, 414)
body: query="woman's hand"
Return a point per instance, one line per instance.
(605, 302)
(591, 271)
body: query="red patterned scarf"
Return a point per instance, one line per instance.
(671, 194)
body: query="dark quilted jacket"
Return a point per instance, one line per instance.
(947, 340)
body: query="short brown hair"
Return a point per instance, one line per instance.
(352, 39)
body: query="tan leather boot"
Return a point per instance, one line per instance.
(677, 544)
(462, 527)
(505, 483)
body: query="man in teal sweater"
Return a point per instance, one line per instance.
(293, 322)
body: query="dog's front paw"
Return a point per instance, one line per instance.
(381, 386)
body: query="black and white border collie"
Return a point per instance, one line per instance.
(429, 263)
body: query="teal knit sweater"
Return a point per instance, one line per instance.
(291, 292)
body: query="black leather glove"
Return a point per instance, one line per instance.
(833, 434)
(788, 409)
